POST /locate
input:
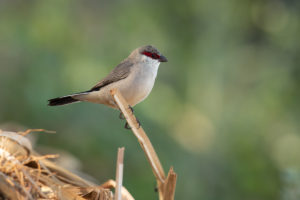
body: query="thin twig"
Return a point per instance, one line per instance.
(119, 174)
(35, 130)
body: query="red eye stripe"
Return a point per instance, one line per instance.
(151, 55)
(147, 54)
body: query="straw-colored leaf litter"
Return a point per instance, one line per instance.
(26, 175)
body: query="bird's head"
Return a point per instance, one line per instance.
(148, 54)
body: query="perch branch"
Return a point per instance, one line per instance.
(141, 135)
(166, 186)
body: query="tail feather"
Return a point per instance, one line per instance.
(62, 101)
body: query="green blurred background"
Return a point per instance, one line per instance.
(224, 110)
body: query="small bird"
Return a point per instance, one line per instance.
(134, 77)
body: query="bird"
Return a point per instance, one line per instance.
(134, 77)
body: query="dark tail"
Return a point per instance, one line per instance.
(62, 101)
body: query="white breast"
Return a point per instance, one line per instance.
(142, 82)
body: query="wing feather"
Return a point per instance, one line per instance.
(120, 72)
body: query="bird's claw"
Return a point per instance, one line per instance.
(128, 127)
(121, 116)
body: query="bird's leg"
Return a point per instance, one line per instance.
(121, 116)
(128, 127)
(126, 124)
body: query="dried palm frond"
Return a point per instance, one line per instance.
(25, 174)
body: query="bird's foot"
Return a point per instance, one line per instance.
(121, 116)
(128, 127)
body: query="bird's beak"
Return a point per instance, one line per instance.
(163, 59)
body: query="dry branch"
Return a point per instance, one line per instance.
(170, 185)
(166, 186)
(141, 135)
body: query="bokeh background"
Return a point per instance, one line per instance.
(224, 110)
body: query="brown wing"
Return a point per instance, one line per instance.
(120, 72)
